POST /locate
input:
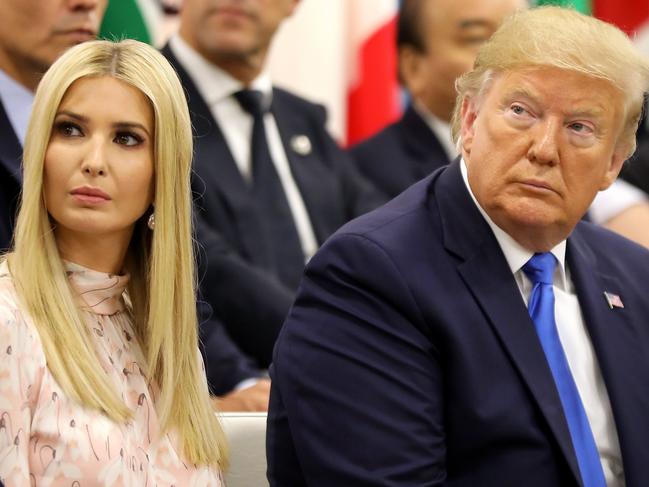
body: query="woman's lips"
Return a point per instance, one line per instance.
(89, 195)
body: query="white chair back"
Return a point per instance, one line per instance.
(246, 433)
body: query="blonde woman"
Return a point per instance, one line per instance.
(100, 377)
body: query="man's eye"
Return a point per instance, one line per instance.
(578, 127)
(128, 139)
(517, 109)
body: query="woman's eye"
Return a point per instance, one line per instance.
(69, 129)
(128, 139)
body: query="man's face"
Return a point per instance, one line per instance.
(538, 147)
(233, 29)
(453, 32)
(34, 33)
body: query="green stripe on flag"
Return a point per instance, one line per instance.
(123, 19)
(583, 6)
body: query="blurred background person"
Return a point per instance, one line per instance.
(437, 41)
(33, 34)
(100, 377)
(270, 182)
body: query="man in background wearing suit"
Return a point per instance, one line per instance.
(33, 34)
(271, 184)
(474, 331)
(437, 41)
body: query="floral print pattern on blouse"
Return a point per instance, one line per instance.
(49, 440)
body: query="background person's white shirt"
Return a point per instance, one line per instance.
(17, 101)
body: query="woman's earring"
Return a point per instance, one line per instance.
(151, 221)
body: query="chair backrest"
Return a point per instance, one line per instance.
(246, 434)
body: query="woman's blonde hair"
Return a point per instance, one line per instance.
(161, 263)
(566, 39)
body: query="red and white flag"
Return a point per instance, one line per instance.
(342, 53)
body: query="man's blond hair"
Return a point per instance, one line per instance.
(566, 39)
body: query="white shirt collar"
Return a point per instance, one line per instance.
(213, 83)
(440, 128)
(17, 101)
(515, 253)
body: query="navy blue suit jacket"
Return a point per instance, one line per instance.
(249, 299)
(400, 155)
(409, 357)
(10, 178)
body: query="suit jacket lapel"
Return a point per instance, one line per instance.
(422, 143)
(486, 273)
(620, 354)
(213, 162)
(315, 182)
(10, 148)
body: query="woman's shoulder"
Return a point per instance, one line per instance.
(8, 296)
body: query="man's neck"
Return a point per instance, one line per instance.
(23, 73)
(244, 68)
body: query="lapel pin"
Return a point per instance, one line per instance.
(301, 145)
(613, 300)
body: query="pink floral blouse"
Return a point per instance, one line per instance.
(47, 439)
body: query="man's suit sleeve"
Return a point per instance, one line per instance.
(357, 394)
(253, 303)
(225, 365)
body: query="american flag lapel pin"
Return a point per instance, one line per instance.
(613, 300)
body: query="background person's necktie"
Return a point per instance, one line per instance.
(279, 234)
(540, 270)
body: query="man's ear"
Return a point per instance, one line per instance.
(468, 116)
(411, 68)
(292, 7)
(614, 167)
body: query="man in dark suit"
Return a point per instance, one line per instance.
(437, 41)
(271, 184)
(33, 34)
(474, 331)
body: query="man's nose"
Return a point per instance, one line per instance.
(544, 148)
(84, 5)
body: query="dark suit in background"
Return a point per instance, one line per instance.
(250, 300)
(409, 357)
(10, 178)
(401, 154)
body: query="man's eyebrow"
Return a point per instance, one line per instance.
(520, 92)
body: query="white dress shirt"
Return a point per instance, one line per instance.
(217, 87)
(575, 341)
(17, 101)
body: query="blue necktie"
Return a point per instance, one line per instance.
(540, 269)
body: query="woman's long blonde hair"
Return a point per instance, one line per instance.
(161, 263)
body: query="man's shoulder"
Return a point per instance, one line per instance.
(613, 253)
(377, 144)
(404, 216)
(299, 105)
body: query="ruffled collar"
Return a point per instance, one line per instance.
(100, 292)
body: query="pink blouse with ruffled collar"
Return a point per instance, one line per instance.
(47, 439)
